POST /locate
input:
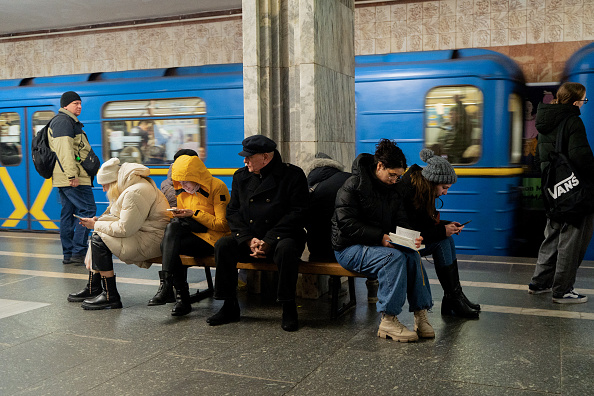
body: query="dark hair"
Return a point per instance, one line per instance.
(569, 92)
(424, 194)
(189, 152)
(389, 154)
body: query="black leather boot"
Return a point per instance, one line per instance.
(290, 320)
(165, 292)
(92, 289)
(108, 299)
(453, 304)
(472, 305)
(182, 306)
(227, 314)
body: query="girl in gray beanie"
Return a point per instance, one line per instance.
(420, 187)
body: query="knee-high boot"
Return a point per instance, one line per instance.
(92, 289)
(165, 292)
(108, 299)
(453, 302)
(472, 305)
(183, 305)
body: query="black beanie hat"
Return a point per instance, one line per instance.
(68, 97)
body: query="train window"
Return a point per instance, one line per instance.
(453, 123)
(516, 120)
(40, 119)
(152, 131)
(11, 152)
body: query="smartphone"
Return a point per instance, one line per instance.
(77, 216)
(463, 224)
(173, 210)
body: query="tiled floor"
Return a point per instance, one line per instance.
(521, 345)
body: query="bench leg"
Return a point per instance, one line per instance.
(201, 295)
(335, 312)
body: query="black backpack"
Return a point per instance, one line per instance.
(44, 158)
(567, 194)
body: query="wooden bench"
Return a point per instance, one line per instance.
(332, 269)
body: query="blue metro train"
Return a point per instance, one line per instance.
(465, 104)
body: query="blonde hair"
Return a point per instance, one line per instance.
(113, 192)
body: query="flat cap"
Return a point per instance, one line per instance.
(257, 144)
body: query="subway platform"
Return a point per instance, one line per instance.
(521, 345)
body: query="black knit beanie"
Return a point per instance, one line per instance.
(438, 169)
(68, 97)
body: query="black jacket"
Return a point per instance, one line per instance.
(324, 181)
(548, 118)
(419, 220)
(270, 206)
(366, 208)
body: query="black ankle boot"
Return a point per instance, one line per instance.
(182, 306)
(165, 292)
(453, 302)
(227, 314)
(92, 289)
(108, 299)
(290, 320)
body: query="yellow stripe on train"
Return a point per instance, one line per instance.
(213, 171)
(459, 171)
(489, 172)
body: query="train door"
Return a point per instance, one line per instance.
(28, 201)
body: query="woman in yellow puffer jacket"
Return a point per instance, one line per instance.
(198, 222)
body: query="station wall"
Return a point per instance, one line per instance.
(539, 35)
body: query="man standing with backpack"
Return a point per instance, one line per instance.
(69, 142)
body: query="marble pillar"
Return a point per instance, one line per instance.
(298, 71)
(299, 83)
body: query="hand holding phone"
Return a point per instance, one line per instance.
(77, 216)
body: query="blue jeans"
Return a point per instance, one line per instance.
(400, 275)
(75, 200)
(443, 252)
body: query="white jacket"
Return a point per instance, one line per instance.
(132, 227)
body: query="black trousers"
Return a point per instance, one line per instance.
(179, 239)
(286, 255)
(101, 255)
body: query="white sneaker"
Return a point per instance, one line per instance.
(390, 327)
(570, 297)
(422, 326)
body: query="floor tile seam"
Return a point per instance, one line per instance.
(244, 376)
(537, 312)
(540, 392)
(114, 340)
(49, 274)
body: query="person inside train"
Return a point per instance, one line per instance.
(368, 208)
(565, 243)
(131, 228)
(266, 215)
(67, 139)
(198, 222)
(458, 139)
(419, 189)
(325, 176)
(167, 184)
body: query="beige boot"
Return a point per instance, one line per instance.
(390, 327)
(422, 326)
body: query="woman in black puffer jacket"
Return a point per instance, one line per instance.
(368, 208)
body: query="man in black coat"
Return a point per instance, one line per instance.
(266, 215)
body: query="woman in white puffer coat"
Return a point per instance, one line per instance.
(131, 228)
